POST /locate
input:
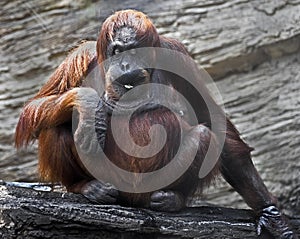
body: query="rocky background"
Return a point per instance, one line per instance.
(250, 48)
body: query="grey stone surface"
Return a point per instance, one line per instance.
(250, 47)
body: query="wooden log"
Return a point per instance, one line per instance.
(26, 213)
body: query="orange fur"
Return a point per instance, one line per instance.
(47, 114)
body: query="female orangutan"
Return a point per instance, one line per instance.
(48, 117)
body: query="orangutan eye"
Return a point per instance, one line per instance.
(116, 51)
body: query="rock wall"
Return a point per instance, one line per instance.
(251, 49)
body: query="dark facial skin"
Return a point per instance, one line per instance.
(125, 68)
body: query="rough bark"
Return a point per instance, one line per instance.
(259, 38)
(26, 213)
